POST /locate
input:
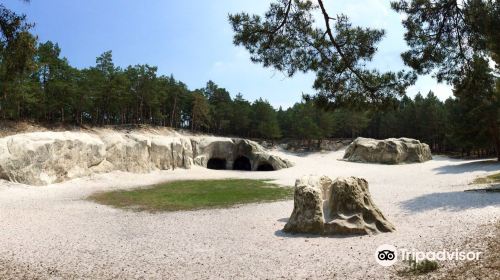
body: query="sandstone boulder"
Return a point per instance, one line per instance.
(389, 151)
(43, 158)
(343, 206)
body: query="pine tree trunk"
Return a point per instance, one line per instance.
(192, 122)
(172, 117)
(497, 147)
(495, 131)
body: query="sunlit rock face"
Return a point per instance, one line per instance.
(43, 158)
(235, 154)
(389, 151)
(340, 207)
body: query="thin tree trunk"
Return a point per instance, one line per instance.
(496, 137)
(172, 117)
(497, 146)
(192, 122)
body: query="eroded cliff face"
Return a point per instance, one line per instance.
(43, 158)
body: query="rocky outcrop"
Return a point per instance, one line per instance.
(49, 157)
(343, 206)
(43, 158)
(389, 151)
(233, 151)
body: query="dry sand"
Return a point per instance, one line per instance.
(52, 232)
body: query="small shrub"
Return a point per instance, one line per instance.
(490, 179)
(424, 266)
(417, 268)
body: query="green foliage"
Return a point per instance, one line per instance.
(458, 40)
(477, 107)
(350, 123)
(200, 114)
(36, 83)
(192, 195)
(306, 121)
(419, 268)
(17, 48)
(220, 103)
(241, 117)
(264, 121)
(490, 179)
(446, 34)
(288, 39)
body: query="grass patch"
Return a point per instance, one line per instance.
(491, 179)
(192, 195)
(419, 268)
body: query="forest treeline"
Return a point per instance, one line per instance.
(37, 84)
(109, 95)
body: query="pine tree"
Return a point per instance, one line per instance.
(200, 119)
(289, 39)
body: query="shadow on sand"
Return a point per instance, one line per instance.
(482, 165)
(452, 201)
(281, 233)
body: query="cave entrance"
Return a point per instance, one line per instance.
(242, 163)
(216, 163)
(266, 166)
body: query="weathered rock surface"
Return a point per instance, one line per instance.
(230, 150)
(389, 151)
(343, 206)
(42, 158)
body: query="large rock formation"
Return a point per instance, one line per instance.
(389, 151)
(343, 206)
(240, 154)
(48, 157)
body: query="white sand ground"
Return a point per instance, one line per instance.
(52, 232)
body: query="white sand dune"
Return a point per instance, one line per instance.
(58, 234)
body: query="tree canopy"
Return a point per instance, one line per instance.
(287, 39)
(458, 41)
(445, 35)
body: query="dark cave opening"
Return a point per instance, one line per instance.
(242, 163)
(265, 167)
(216, 163)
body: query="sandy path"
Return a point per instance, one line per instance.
(51, 232)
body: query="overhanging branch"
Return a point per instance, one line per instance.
(339, 49)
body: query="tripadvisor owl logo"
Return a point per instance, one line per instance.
(386, 255)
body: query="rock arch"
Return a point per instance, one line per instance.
(265, 166)
(217, 163)
(242, 163)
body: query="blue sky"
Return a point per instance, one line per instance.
(193, 40)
